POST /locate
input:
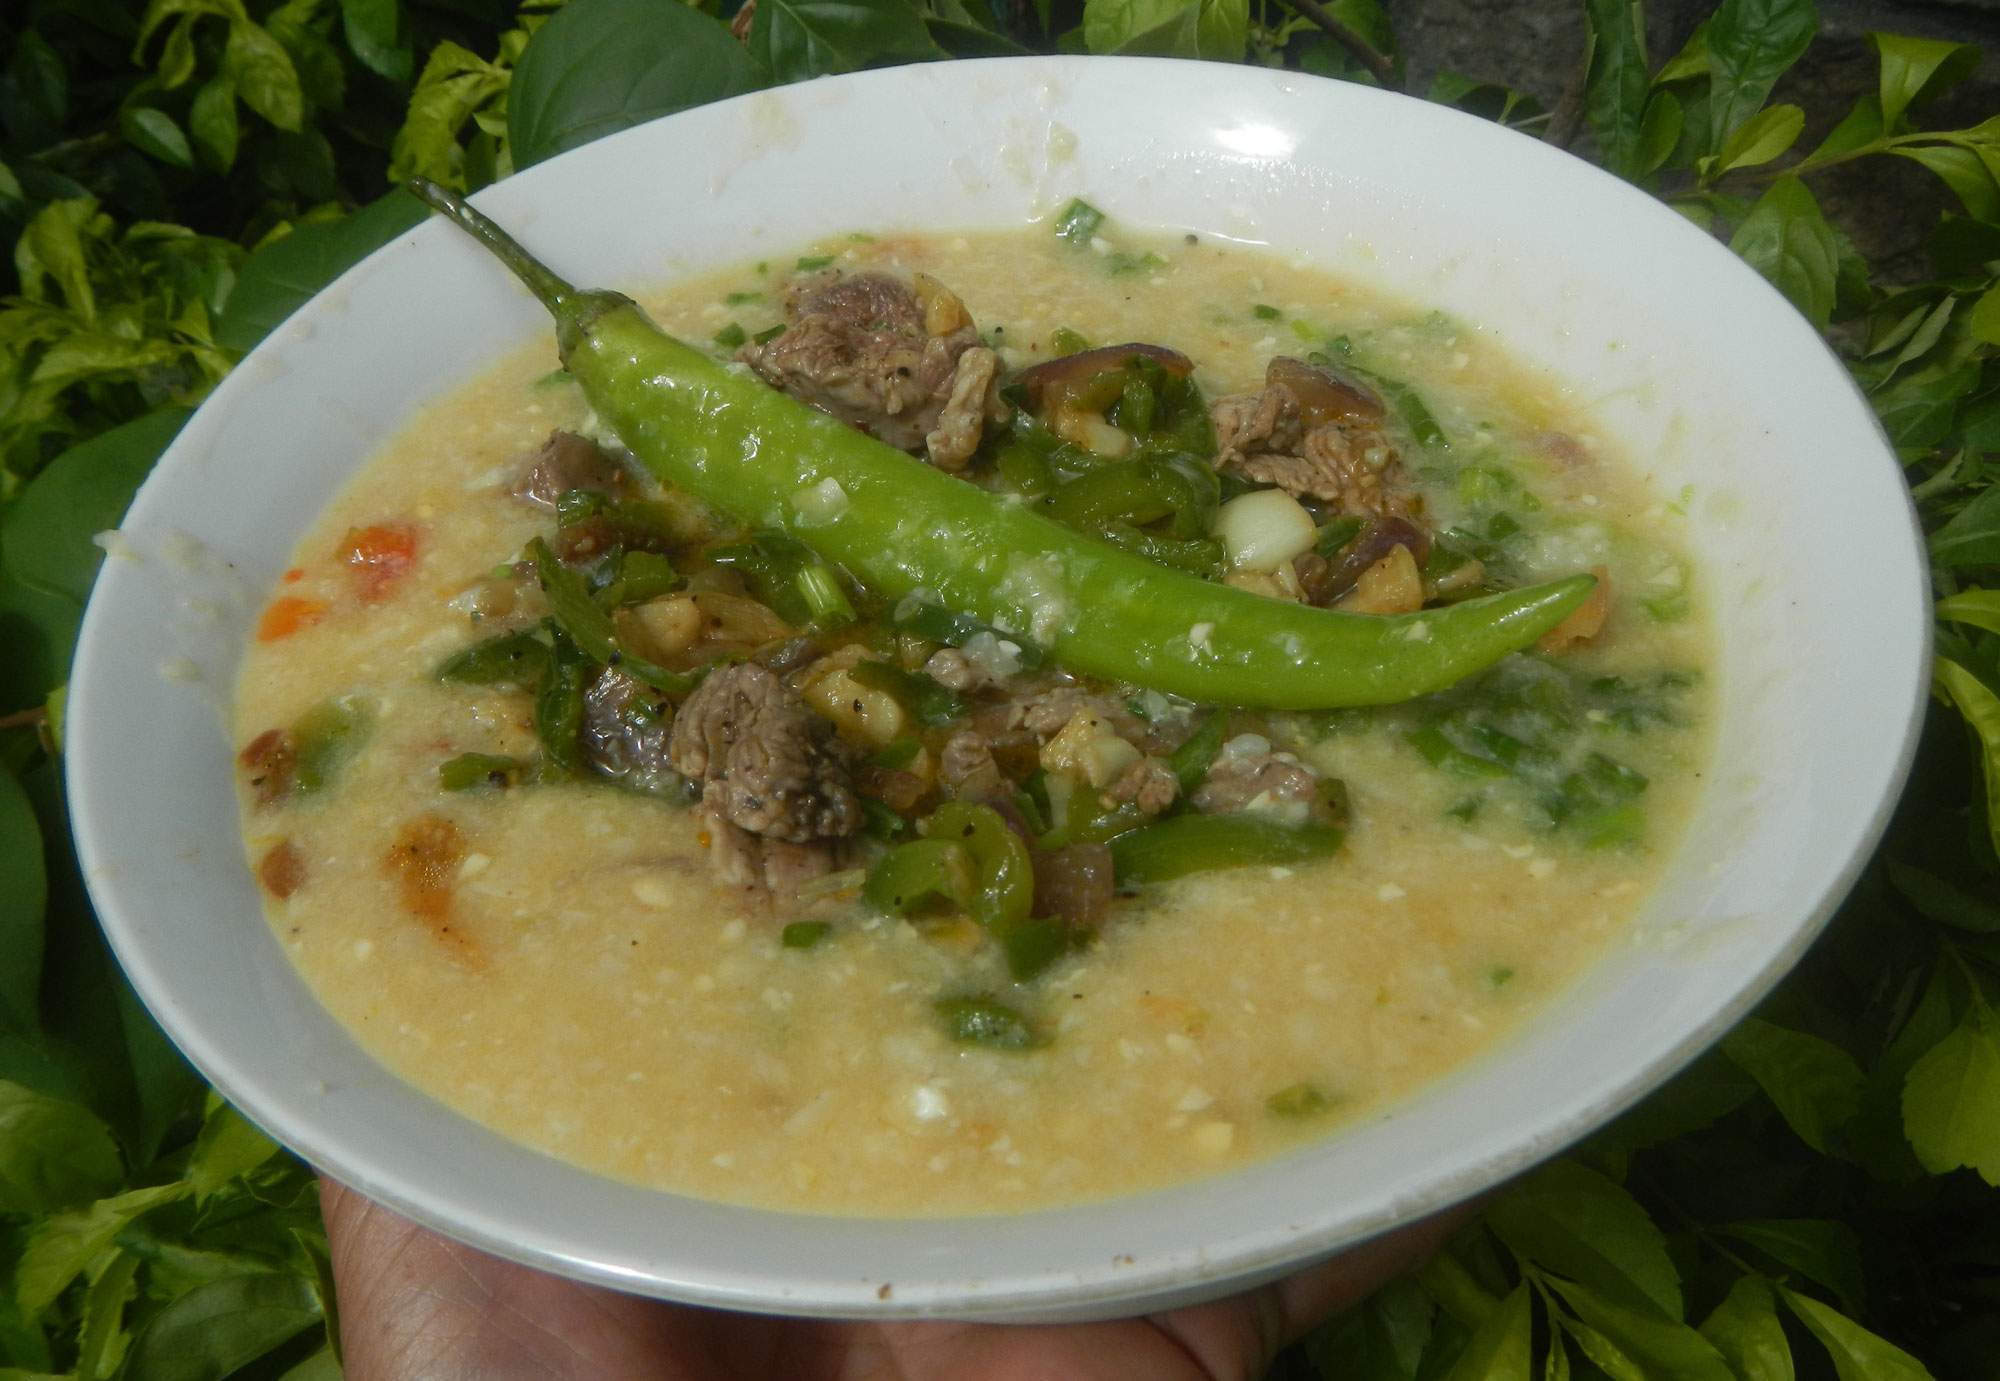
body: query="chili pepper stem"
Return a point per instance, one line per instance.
(573, 309)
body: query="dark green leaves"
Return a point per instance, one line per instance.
(1751, 43)
(1786, 239)
(795, 40)
(1615, 98)
(1573, 1220)
(279, 279)
(217, 1327)
(22, 901)
(599, 66)
(1815, 1084)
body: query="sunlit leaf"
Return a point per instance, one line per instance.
(1858, 1355)
(53, 1154)
(262, 72)
(1499, 1349)
(1745, 1329)
(1761, 138)
(798, 39)
(214, 1329)
(229, 1145)
(1916, 71)
(1751, 43)
(1951, 1099)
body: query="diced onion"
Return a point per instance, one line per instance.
(1262, 530)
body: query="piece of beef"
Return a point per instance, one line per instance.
(767, 763)
(1247, 775)
(627, 727)
(1317, 435)
(905, 365)
(1148, 784)
(568, 462)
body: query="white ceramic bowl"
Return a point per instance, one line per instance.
(1808, 552)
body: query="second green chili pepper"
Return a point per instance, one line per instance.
(900, 526)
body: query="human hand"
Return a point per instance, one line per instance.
(417, 1305)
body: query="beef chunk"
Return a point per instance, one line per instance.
(767, 763)
(1316, 435)
(905, 365)
(567, 462)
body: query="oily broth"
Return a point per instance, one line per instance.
(599, 997)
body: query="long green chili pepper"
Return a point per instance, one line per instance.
(900, 526)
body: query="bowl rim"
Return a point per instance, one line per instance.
(1260, 1250)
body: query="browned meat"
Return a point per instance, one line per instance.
(1316, 435)
(764, 868)
(967, 766)
(627, 726)
(271, 761)
(423, 862)
(1148, 783)
(584, 543)
(768, 764)
(1246, 776)
(1074, 882)
(904, 365)
(566, 462)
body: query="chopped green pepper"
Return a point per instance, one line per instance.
(982, 1021)
(904, 527)
(469, 770)
(1187, 844)
(510, 659)
(1079, 222)
(328, 736)
(559, 706)
(804, 934)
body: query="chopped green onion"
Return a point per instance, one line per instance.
(1079, 222)
(1265, 313)
(982, 1021)
(730, 336)
(813, 263)
(804, 934)
(1298, 1101)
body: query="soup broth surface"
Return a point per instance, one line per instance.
(560, 961)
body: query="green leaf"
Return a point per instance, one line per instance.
(1659, 1347)
(456, 83)
(1858, 1355)
(795, 40)
(1745, 1329)
(961, 40)
(1751, 43)
(599, 66)
(1570, 1219)
(1761, 138)
(281, 277)
(1918, 70)
(52, 247)
(1814, 1084)
(1786, 239)
(45, 537)
(1692, 1100)
(1690, 62)
(374, 30)
(1964, 172)
(1972, 537)
(212, 124)
(229, 1145)
(1168, 28)
(102, 1339)
(1659, 132)
(215, 1328)
(151, 130)
(38, 630)
(1615, 94)
(262, 72)
(1860, 126)
(52, 1153)
(321, 1366)
(1940, 900)
(1951, 1099)
(1445, 1279)
(1920, 408)
(1823, 1250)
(1984, 319)
(1981, 709)
(22, 902)
(1500, 1347)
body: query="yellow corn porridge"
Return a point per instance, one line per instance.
(518, 876)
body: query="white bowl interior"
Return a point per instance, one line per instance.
(1673, 348)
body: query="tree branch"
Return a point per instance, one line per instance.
(1383, 70)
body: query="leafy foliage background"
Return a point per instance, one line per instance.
(1815, 1198)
